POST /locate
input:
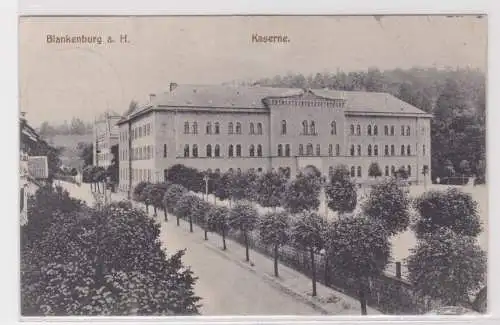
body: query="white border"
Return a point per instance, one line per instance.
(8, 74)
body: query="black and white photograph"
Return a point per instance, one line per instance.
(253, 165)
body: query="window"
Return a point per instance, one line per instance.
(352, 150)
(287, 150)
(280, 150)
(358, 130)
(408, 131)
(230, 129)
(330, 150)
(359, 150)
(392, 150)
(369, 150)
(408, 150)
(318, 150)
(217, 150)
(393, 170)
(337, 149)
(301, 149)
(238, 150)
(259, 150)
(238, 128)
(333, 130)
(375, 150)
(386, 150)
(353, 171)
(217, 128)
(283, 127)
(392, 130)
(165, 151)
(402, 150)
(148, 129)
(402, 130)
(304, 127)
(252, 150)
(186, 150)
(309, 149)
(312, 128)
(209, 128)
(409, 170)
(195, 150)
(423, 150)
(352, 129)
(386, 130)
(386, 170)
(259, 128)
(195, 128)
(209, 150)
(230, 151)
(375, 130)
(359, 171)
(252, 128)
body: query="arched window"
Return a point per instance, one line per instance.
(409, 170)
(375, 130)
(238, 150)
(259, 128)
(238, 128)
(209, 150)
(359, 150)
(217, 150)
(352, 129)
(304, 127)
(312, 128)
(369, 150)
(252, 128)
(301, 149)
(318, 150)
(259, 150)
(392, 150)
(230, 129)
(283, 127)
(408, 150)
(402, 150)
(352, 150)
(375, 150)
(359, 171)
(310, 149)
(386, 170)
(287, 150)
(353, 171)
(231, 151)
(186, 127)
(423, 150)
(333, 130)
(330, 149)
(408, 131)
(217, 128)
(195, 128)
(358, 130)
(280, 150)
(402, 130)
(186, 150)
(209, 128)
(392, 130)
(386, 150)
(393, 170)
(164, 150)
(195, 150)
(386, 130)
(337, 149)
(369, 130)
(252, 150)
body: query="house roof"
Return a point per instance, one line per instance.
(252, 97)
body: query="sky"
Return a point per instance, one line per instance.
(60, 81)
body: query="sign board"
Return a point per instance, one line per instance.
(38, 167)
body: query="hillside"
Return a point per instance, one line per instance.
(68, 144)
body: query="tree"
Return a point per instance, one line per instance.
(374, 170)
(465, 168)
(155, 195)
(402, 173)
(447, 266)
(270, 188)
(173, 195)
(243, 217)
(389, 204)
(86, 153)
(186, 208)
(217, 219)
(114, 169)
(361, 250)
(302, 193)
(223, 186)
(188, 177)
(341, 191)
(77, 126)
(273, 230)
(451, 209)
(202, 212)
(307, 233)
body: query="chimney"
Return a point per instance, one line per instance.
(173, 85)
(152, 97)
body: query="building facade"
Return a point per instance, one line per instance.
(105, 136)
(220, 128)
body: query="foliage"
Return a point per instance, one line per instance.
(402, 173)
(448, 266)
(341, 191)
(270, 187)
(274, 228)
(302, 193)
(374, 170)
(186, 206)
(217, 218)
(114, 168)
(307, 231)
(223, 186)
(243, 217)
(86, 153)
(451, 209)
(137, 194)
(389, 204)
(188, 177)
(173, 195)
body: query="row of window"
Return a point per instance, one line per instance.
(138, 175)
(373, 151)
(233, 150)
(373, 130)
(357, 171)
(137, 132)
(142, 153)
(335, 103)
(104, 156)
(254, 128)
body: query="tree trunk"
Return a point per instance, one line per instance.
(178, 222)
(223, 239)
(362, 299)
(190, 223)
(246, 246)
(147, 208)
(154, 209)
(165, 213)
(326, 269)
(276, 274)
(313, 268)
(206, 234)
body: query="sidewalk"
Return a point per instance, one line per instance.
(291, 282)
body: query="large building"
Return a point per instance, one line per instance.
(227, 127)
(105, 136)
